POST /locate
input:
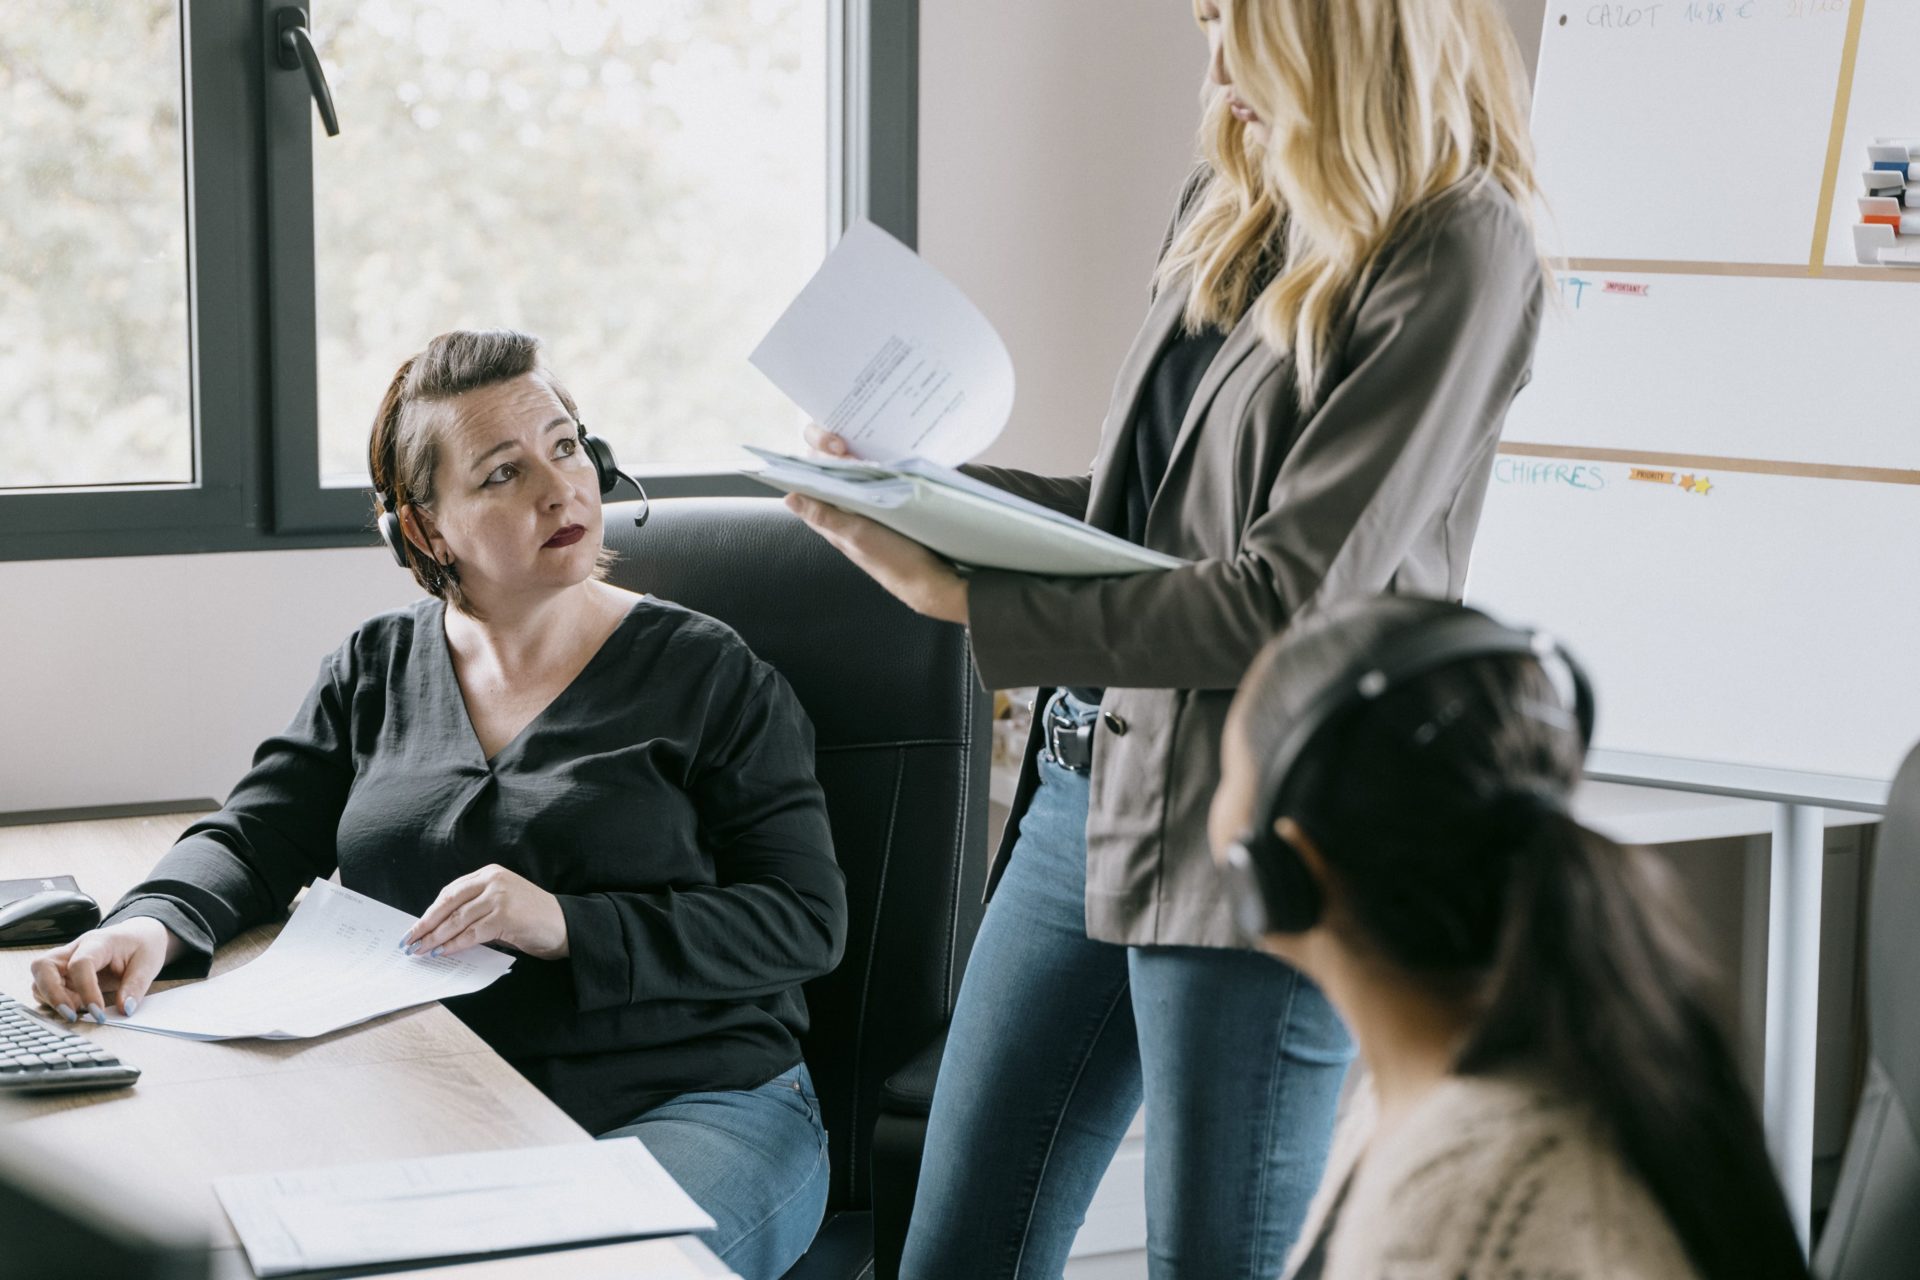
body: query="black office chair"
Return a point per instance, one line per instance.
(902, 733)
(1873, 1230)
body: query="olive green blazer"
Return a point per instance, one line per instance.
(1376, 485)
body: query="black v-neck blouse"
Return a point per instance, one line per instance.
(666, 796)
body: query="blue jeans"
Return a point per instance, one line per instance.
(756, 1159)
(1057, 1039)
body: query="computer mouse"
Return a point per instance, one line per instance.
(47, 918)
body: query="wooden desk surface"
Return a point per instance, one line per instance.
(414, 1083)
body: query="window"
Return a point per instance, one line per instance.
(197, 322)
(643, 185)
(93, 247)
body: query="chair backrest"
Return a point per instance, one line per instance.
(901, 730)
(1871, 1232)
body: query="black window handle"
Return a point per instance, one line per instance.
(295, 52)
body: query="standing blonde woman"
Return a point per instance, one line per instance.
(1344, 309)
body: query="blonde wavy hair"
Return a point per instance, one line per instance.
(1373, 108)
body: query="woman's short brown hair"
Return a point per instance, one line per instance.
(404, 449)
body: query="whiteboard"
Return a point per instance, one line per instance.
(1711, 488)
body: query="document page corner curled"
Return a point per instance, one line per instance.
(889, 354)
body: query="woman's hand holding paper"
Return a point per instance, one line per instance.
(491, 905)
(823, 441)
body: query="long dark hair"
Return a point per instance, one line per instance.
(1441, 808)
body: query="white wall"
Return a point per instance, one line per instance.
(1054, 138)
(1527, 17)
(153, 678)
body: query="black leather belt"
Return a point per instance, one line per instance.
(1070, 744)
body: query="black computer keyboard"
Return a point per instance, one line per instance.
(38, 1056)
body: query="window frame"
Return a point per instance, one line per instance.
(249, 182)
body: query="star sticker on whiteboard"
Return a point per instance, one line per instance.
(1702, 485)
(1686, 482)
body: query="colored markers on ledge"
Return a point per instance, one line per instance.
(1888, 233)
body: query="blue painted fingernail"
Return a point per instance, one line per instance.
(435, 952)
(400, 945)
(132, 1004)
(98, 1014)
(65, 1011)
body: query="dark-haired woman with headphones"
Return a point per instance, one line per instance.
(1547, 1090)
(611, 786)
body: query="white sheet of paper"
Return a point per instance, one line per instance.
(337, 962)
(447, 1206)
(888, 353)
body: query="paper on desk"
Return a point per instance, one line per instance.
(447, 1206)
(337, 962)
(886, 352)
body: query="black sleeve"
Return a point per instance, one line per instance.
(1066, 494)
(245, 864)
(777, 914)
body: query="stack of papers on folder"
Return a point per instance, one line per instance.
(882, 350)
(961, 518)
(456, 1206)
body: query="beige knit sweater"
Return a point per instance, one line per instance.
(1487, 1179)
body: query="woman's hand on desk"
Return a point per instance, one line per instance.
(492, 905)
(115, 963)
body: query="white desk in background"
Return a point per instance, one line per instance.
(1790, 883)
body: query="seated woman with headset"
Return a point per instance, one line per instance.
(1548, 1093)
(612, 786)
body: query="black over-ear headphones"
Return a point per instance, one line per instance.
(1273, 892)
(598, 451)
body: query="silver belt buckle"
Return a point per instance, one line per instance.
(1056, 726)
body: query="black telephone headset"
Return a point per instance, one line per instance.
(1273, 892)
(598, 451)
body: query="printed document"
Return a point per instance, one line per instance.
(887, 353)
(337, 962)
(450, 1206)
